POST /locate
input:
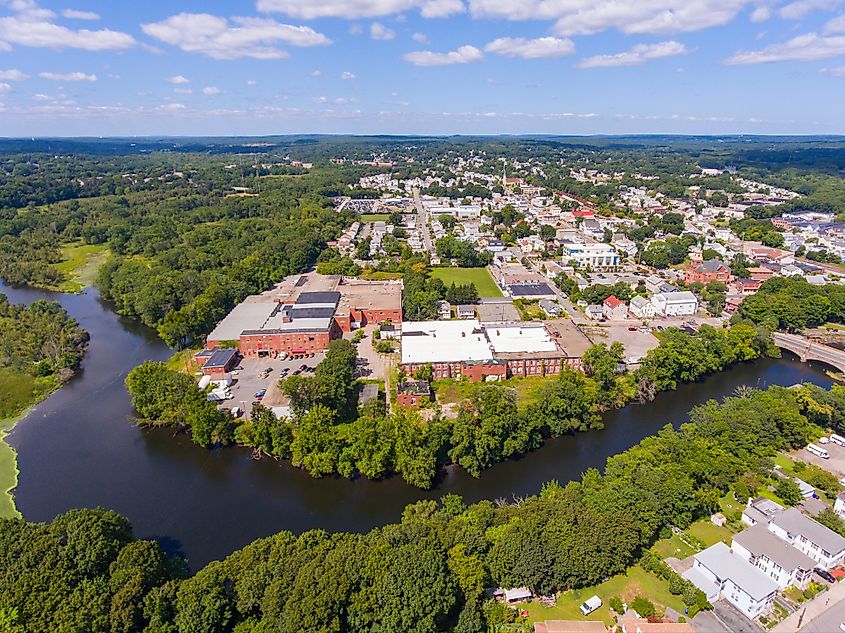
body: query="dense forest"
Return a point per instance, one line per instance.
(793, 304)
(40, 347)
(328, 435)
(84, 571)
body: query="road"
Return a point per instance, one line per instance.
(828, 622)
(422, 222)
(822, 614)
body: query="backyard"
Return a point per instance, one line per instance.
(635, 582)
(479, 276)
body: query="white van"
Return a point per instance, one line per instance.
(590, 605)
(818, 450)
(837, 439)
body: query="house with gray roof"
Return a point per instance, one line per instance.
(722, 573)
(782, 562)
(817, 541)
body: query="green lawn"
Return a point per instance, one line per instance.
(710, 534)
(672, 547)
(375, 217)
(479, 276)
(635, 582)
(183, 361)
(80, 263)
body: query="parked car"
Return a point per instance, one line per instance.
(826, 575)
(632, 328)
(303, 367)
(259, 395)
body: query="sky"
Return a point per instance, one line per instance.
(255, 67)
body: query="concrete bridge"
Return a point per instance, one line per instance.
(806, 349)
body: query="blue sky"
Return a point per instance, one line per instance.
(422, 66)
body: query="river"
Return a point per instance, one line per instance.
(80, 447)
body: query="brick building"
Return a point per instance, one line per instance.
(411, 393)
(705, 272)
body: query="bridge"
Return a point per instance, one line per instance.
(805, 349)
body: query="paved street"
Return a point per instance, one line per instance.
(823, 614)
(422, 222)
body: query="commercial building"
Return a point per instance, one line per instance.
(304, 313)
(682, 303)
(478, 351)
(598, 255)
(217, 362)
(705, 272)
(721, 573)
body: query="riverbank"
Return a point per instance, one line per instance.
(8, 469)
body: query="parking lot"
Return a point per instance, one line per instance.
(250, 379)
(836, 463)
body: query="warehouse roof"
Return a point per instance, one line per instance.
(517, 337)
(444, 342)
(249, 315)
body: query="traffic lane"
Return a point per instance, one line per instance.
(828, 622)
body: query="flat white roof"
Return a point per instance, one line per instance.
(245, 316)
(444, 342)
(506, 337)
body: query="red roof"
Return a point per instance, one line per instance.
(583, 214)
(613, 303)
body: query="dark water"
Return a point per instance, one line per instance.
(80, 448)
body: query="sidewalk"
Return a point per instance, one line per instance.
(813, 609)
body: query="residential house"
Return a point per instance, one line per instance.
(520, 594)
(594, 312)
(641, 307)
(444, 309)
(759, 273)
(614, 309)
(641, 625)
(706, 272)
(570, 626)
(721, 573)
(410, 393)
(817, 541)
(839, 505)
(552, 308)
(675, 304)
(466, 311)
(783, 563)
(760, 510)
(747, 286)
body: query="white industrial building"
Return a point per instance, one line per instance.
(598, 255)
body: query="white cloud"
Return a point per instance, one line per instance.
(798, 9)
(4, 88)
(315, 73)
(41, 97)
(215, 37)
(183, 91)
(320, 99)
(178, 79)
(422, 38)
(29, 25)
(584, 17)
(379, 31)
(73, 14)
(77, 76)
(531, 49)
(803, 48)
(836, 25)
(251, 82)
(637, 55)
(464, 55)
(347, 76)
(839, 71)
(354, 9)
(211, 91)
(761, 14)
(13, 75)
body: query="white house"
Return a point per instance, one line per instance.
(720, 572)
(839, 504)
(682, 303)
(820, 543)
(760, 510)
(641, 307)
(783, 563)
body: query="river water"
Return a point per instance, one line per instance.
(80, 447)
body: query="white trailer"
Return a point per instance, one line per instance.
(837, 439)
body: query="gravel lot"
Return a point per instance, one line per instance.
(836, 463)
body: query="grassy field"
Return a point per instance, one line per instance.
(375, 217)
(479, 276)
(18, 392)
(183, 361)
(635, 582)
(79, 264)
